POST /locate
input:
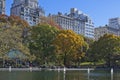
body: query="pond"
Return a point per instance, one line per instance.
(61, 75)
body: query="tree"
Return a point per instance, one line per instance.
(92, 53)
(15, 20)
(11, 38)
(13, 31)
(49, 21)
(41, 42)
(3, 18)
(69, 46)
(89, 41)
(106, 48)
(12, 20)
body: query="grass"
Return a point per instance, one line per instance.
(92, 64)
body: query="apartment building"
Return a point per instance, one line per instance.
(28, 10)
(100, 31)
(2, 6)
(76, 21)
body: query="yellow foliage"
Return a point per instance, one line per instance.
(68, 43)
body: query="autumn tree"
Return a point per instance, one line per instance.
(11, 31)
(11, 38)
(3, 18)
(15, 20)
(69, 46)
(6, 21)
(49, 21)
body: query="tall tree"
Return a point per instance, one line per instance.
(106, 48)
(41, 42)
(11, 38)
(69, 46)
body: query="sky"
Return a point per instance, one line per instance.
(100, 11)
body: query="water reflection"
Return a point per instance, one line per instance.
(112, 74)
(62, 75)
(88, 73)
(64, 78)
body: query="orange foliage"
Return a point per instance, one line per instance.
(50, 21)
(3, 18)
(13, 20)
(17, 20)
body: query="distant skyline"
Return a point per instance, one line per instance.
(98, 10)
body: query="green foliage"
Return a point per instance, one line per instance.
(41, 42)
(49, 44)
(106, 48)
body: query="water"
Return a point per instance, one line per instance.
(61, 75)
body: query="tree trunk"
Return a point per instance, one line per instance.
(65, 60)
(3, 63)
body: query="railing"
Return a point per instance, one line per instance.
(89, 70)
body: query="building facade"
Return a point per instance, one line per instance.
(28, 10)
(76, 21)
(2, 6)
(113, 27)
(114, 23)
(100, 31)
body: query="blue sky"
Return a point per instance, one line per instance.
(99, 10)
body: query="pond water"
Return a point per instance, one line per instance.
(61, 75)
